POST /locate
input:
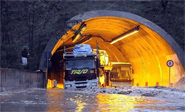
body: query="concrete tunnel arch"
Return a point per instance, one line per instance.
(148, 50)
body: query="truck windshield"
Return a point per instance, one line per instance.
(79, 64)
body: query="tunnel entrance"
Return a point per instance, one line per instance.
(147, 50)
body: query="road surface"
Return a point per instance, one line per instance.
(99, 100)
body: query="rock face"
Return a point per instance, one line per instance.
(180, 84)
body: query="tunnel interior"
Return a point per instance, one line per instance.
(146, 50)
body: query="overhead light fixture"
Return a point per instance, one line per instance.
(79, 32)
(124, 35)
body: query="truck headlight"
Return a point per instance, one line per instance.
(68, 85)
(94, 84)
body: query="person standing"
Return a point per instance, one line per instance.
(25, 55)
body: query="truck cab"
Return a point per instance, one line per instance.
(80, 67)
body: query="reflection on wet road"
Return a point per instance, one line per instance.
(61, 100)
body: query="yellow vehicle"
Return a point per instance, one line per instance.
(113, 74)
(121, 74)
(103, 56)
(104, 67)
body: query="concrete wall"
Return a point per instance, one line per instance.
(13, 79)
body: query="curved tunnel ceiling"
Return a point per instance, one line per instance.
(146, 50)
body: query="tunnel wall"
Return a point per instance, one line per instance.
(13, 79)
(147, 23)
(100, 13)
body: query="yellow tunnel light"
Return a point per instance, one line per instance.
(126, 34)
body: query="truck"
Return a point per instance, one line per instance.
(121, 74)
(86, 67)
(81, 67)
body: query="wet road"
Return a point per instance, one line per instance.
(65, 100)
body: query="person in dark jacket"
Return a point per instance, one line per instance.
(25, 55)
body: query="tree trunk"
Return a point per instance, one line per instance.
(164, 4)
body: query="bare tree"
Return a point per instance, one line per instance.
(163, 4)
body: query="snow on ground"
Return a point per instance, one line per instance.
(159, 92)
(29, 90)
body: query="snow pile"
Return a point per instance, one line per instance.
(29, 90)
(159, 92)
(4, 93)
(180, 84)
